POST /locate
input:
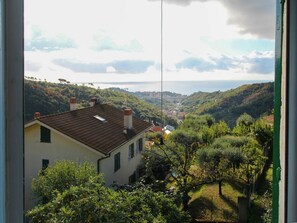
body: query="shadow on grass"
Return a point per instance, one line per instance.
(201, 208)
(236, 186)
(230, 202)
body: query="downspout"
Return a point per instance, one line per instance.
(98, 161)
(277, 111)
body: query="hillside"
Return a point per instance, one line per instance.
(48, 98)
(254, 99)
(170, 99)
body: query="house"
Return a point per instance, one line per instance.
(169, 127)
(109, 138)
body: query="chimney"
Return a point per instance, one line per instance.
(128, 123)
(93, 101)
(73, 104)
(36, 115)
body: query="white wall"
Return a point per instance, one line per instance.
(128, 166)
(62, 148)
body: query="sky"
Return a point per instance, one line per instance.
(120, 40)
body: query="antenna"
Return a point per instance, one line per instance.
(126, 96)
(161, 67)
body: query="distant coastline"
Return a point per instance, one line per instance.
(181, 87)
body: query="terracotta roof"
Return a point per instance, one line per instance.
(156, 128)
(103, 136)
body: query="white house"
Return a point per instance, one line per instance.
(101, 134)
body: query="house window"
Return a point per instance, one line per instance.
(45, 134)
(117, 161)
(45, 163)
(131, 151)
(140, 144)
(132, 178)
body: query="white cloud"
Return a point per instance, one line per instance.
(110, 69)
(123, 36)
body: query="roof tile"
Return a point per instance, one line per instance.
(102, 136)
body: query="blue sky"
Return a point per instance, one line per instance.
(119, 40)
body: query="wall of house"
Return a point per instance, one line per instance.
(62, 148)
(128, 166)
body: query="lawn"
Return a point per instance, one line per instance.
(207, 205)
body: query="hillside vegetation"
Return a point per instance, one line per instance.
(49, 98)
(254, 99)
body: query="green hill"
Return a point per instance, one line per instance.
(49, 98)
(254, 99)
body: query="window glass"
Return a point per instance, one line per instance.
(45, 134)
(131, 151)
(117, 161)
(140, 144)
(45, 163)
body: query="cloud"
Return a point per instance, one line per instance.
(122, 67)
(261, 65)
(256, 17)
(107, 43)
(40, 42)
(256, 62)
(203, 65)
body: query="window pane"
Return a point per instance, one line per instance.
(45, 134)
(117, 161)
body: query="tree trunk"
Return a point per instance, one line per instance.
(220, 187)
(186, 200)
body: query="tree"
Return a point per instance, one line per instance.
(219, 163)
(60, 177)
(243, 125)
(180, 151)
(86, 200)
(263, 133)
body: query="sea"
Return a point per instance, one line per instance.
(181, 87)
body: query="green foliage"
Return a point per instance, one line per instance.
(49, 98)
(153, 136)
(61, 177)
(256, 99)
(86, 200)
(157, 166)
(245, 120)
(263, 133)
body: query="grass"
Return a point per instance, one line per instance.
(207, 205)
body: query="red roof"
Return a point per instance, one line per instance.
(103, 136)
(156, 128)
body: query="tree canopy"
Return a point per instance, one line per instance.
(81, 197)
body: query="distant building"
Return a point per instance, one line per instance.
(169, 127)
(109, 138)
